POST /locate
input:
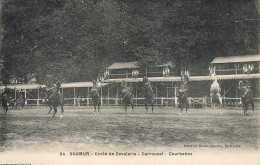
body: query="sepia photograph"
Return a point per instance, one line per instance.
(129, 82)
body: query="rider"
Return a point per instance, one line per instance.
(184, 85)
(126, 90)
(57, 85)
(146, 81)
(95, 88)
(246, 86)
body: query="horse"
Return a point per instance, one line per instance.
(148, 93)
(216, 98)
(127, 96)
(246, 96)
(94, 93)
(182, 93)
(53, 99)
(45, 93)
(5, 101)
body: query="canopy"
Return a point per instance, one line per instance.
(236, 59)
(134, 65)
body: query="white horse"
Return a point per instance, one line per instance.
(216, 98)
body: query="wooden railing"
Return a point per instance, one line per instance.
(195, 102)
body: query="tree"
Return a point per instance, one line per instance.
(77, 40)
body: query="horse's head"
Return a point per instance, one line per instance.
(185, 77)
(240, 84)
(145, 79)
(123, 84)
(94, 83)
(244, 84)
(245, 88)
(46, 92)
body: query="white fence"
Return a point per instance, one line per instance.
(195, 102)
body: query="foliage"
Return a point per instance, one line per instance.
(77, 40)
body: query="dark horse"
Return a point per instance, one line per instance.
(94, 93)
(182, 93)
(53, 99)
(148, 93)
(127, 96)
(246, 96)
(5, 102)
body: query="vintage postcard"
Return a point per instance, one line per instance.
(129, 82)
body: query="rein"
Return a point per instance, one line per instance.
(245, 93)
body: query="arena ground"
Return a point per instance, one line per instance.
(80, 129)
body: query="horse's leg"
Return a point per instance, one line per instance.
(186, 106)
(220, 106)
(94, 104)
(181, 107)
(132, 105)
(50, 110)
(5, 110)
(55, 111)
(95, 108)
(244, 108)
(61, 107)
(146, 106)
(253, 106)
(99, 103)
(152, 105)
(125, 108)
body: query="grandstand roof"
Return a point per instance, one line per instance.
(134, 64)
(235, 59)
(191, 78)
(35, 86)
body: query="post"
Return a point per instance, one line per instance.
(74, 93)
(236, 68)
(15, 93)
(38, 97)
(108, 94)
(136, 98)
(175, 93)
(172, 87)
(117, 95)
(88, 98)
(25, 102)
(156, 95)
(167, 94)
(101, 98)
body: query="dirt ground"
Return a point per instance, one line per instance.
(80, 129)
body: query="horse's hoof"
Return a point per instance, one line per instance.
(61, 116)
